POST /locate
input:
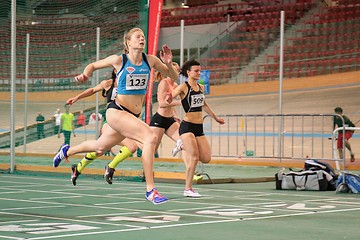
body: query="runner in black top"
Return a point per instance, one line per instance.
(196, 147)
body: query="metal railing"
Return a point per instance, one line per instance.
(276, 136)
(300, 136)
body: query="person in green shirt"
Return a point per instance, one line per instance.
(67, 124)
(348, 133)
(40, 125)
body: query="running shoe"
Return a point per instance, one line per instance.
(109, 173)
(61, 155)
(191, 193)
(177, 148)
(352, 159)
(155, 197)
(75, 174)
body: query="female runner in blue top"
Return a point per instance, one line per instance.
(122, 114)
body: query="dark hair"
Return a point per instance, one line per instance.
(338, 110)
(113, 74)
(187, 66)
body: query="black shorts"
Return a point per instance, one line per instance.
(196, 129)
(161, 122)
(113, 104)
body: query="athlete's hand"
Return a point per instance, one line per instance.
(168, 98)
(71, 101)
(177, 119)
(220, 120)
(81, 78)
(166, 54)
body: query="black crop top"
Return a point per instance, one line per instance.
(194, 100)
(111, 93)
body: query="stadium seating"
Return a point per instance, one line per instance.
(328, 42)
(260, 29)
(200, 14)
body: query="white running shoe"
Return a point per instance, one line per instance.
(191, 193)
(177, 148)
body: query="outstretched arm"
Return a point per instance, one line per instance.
(209, 111)
(88, 92)
(165, 67)
(114, 61)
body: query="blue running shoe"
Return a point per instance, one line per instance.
(61, 155)
(155, 197)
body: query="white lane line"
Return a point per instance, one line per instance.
(107, 215)
(11, 209)
(263, 203)
(13, 192)
(343, 202)
(136, 229)
(136, 200)
(191, 209)
(300, 214)
(55, 198)
(68, 219)
(75, 193)
(18, 221)
(7, 237)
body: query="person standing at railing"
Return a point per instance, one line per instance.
(40, 125)
(348, 133)
(80, 119)
(57, 119)
(195, 145)
(67, 124)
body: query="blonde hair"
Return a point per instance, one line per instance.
(127, 37)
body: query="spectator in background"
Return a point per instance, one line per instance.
(92, 118)
(57, 118)
(348, 133)
(81, 119)
(67, 124)
(40, 125)
(230, 11)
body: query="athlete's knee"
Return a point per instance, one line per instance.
(130, 144)
(151, 139)
(132, 148)
(206, 158)
(100, 151)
